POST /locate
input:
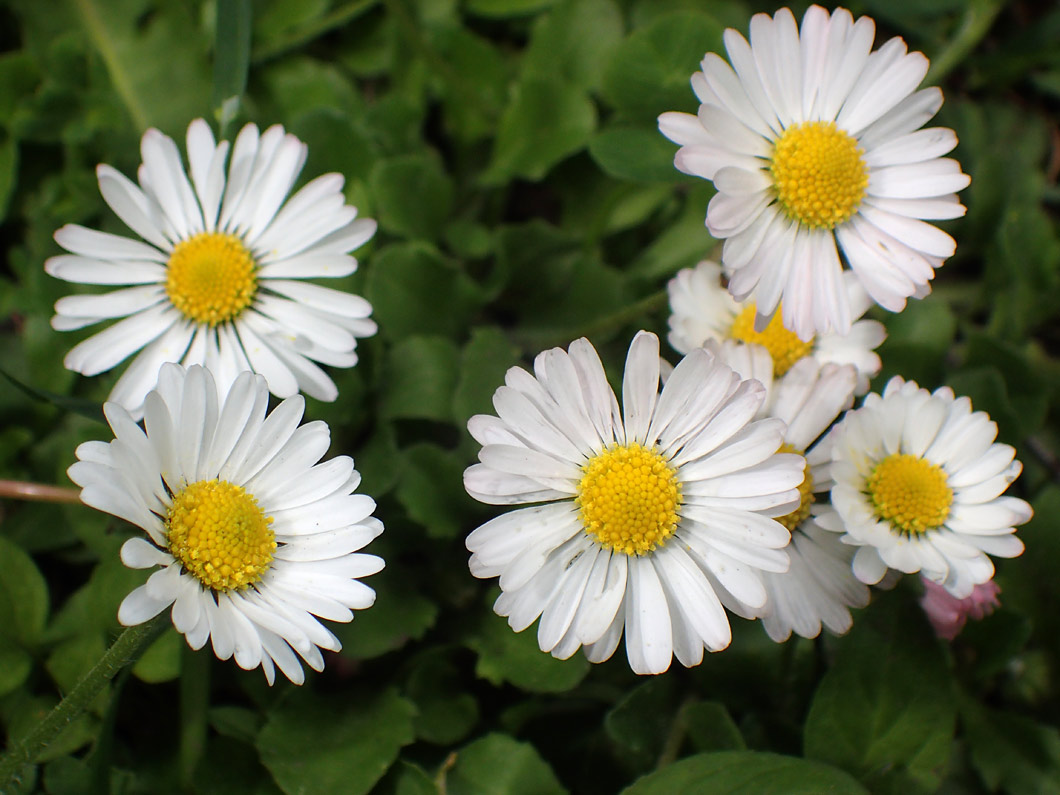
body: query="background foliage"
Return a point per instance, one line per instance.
(509, 150)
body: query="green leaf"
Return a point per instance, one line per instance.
(506, 8)
(419, 379)
(559, 47)
(638, 154)
(400, 614)
(887, 704)
(1011, 753)
(546, 121)
(413, 194)
(507, 656)
(483, 362)
(711, 727)
(312, 745)
(751, 772)
(918, 341)
(444, 714)
(8, 170)
(23, 595)
(649, 72)
(231, 53)
(501, 765)
(414, 290)
(641, 720)
(430, 490)
(15, 665)
(160, 662)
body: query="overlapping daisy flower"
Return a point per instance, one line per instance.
(219, 277)
(701, 310)
(815, 146)
(918, 488)
(254, 538)
(819, 588)
(646, 520)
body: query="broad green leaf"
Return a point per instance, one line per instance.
(750, 772)
(506, 8)
(413, 195)
(507, 656)
(1011, 753)
(501, 765)
(649, 72)
(161, 661)
(636, 153)
(445, 715)
(430, 489)
(642, 719)
(474, 85)
(711, 727)
(546, 121)
(420, 376)
(887, 703)
(559, 46)
(23, 595)
(483, 362)
(74, 657)
(400, 614)
(15, 665)
(341, 744)
(918, 340)
(229, 766)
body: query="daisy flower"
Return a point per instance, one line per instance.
(814, 145)
(643, 520)
(948, 615)
(918, 484)
(253, 537)
(819, 588)
(701, 309)
(219, 276)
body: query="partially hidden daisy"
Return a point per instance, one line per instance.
(918, 488)
(219, 277)
(701, 310)
(814, 145)
(644, 519)
(254, 538)
(819, 588)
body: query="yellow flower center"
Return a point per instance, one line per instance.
(819, 174)
(798, 516)
(211, 277)
(629, 497)
(783, 345)
(220, 535)
(910, 493)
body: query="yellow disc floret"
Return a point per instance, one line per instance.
(910, 493)
(799, 515)
(819, 174)
(211, 277)
(220, 535)
(783, 345)
(629, 497)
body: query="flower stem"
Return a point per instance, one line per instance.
(126, 649)
(22, 490)
(979, 15)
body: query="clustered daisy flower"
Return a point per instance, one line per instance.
(254, 539)
(219, 277)
(819, 587)
(701, 310)
(814, 144)
(642, 520)
(918, 488)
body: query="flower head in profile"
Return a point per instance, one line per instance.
(948, 614)
(819, 588)
(918, 488)
(814, 145)
(254, 538)
(643, 520)
(219, 277)
(701, 310)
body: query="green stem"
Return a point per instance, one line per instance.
(336, 19)
(103, 42)
(978, 17)
(126, 649)
(675, 738)
(194, 700)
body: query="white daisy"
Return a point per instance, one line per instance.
(701, 309)
(253, 536)
(813, 141)
(819, 588)
(647, 519)
(918, 484)
(220, 278)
